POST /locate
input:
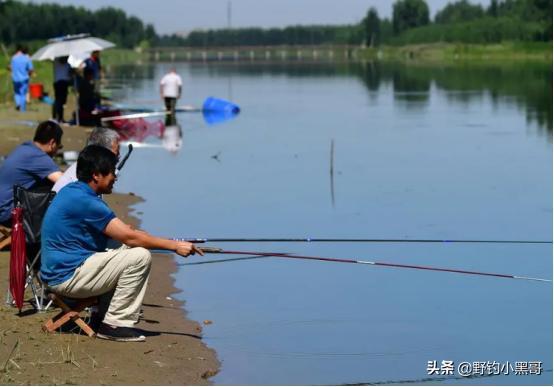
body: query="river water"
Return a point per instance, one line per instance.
(346, 150)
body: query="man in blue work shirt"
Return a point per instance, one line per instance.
(30, 165)
(21, 68)
(93, 64)
(89, 85)
(75, 262)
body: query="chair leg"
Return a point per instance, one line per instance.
(39, 292)
(6, 241)
(68, 314)
(5, 237)
(9, 298)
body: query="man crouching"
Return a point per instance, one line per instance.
(75, 262)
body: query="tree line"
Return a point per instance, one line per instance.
(411, 22)
(462, 21)
(29, 23)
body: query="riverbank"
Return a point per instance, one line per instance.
(173, 353)
(449, 52)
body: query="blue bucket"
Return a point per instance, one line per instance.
(217, 110)
(220, 105)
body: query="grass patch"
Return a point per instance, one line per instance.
(530, 51)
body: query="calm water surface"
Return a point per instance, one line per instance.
(419, 152)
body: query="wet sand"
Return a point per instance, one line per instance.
(173, 353)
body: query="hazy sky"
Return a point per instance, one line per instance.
(169, 16)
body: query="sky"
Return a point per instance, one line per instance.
(169, 16)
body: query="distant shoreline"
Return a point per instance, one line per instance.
(436, 52)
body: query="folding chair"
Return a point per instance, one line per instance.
(5, 237)
(34, 203)
(69, 314)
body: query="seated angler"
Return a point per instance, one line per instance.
(30, 165)
(75, 262)
(108, 138)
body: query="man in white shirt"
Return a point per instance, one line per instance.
(170, 89)
(105, 137)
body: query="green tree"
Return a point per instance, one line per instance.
(459, 11)
(372, 27)
(408, 14)
(493, 8)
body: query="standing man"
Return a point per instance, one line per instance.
(93, 63)
(170, 89)
(62, 80)
(75, 262)
(89, 87)
(22, 69)
(30, 165)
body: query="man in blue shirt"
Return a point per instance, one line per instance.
(89, 83)
(21, 68)
(93, 64)
(75, 262)
(30, 165)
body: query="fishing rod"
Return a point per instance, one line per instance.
(137, 115)
(215, 250)
(124, 160)
(362, 240)
(152, 113)
(210, 105)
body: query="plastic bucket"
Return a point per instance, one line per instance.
(36, 90)
(212, 104)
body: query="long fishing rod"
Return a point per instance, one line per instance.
(362, 240)
(143, 114)
(136, 115)
(215, 250)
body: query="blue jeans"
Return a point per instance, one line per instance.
(20, 94)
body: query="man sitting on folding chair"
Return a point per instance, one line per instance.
(30, 165)
(75, 262)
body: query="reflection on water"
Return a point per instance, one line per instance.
(359, 151)
(136, 132)
(529, 85)
(172, 138)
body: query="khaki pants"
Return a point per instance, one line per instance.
(118, 277)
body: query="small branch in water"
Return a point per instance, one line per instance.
(332, 171)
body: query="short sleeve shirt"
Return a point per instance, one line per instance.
(62, 71)
(72, 230)
(95, 66)
(69, 176)
(170, 85)
(21, 65)
(26, 166)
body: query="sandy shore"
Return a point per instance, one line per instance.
(173, 353)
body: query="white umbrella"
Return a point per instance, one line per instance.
(71, 44)
(76, 60)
